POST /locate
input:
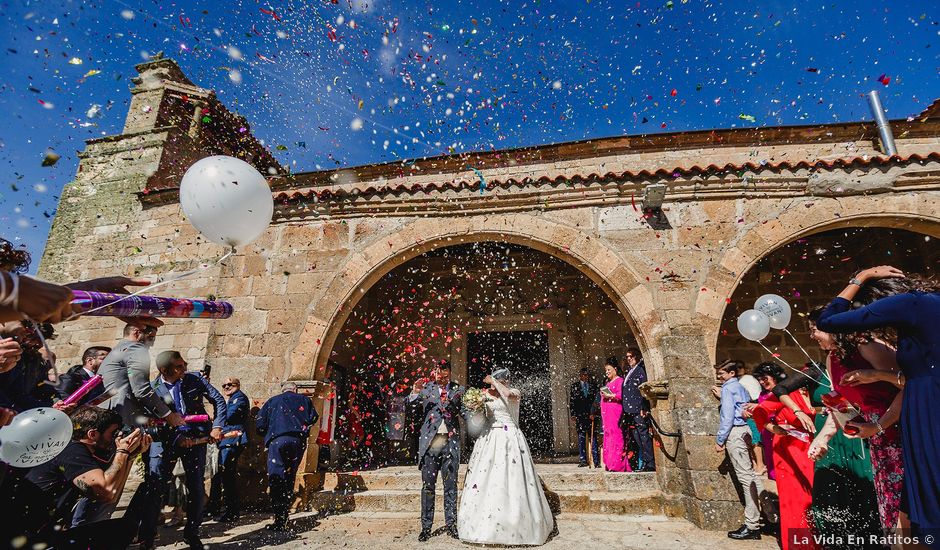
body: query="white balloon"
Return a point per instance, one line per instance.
(35, 437)
(753, 325)
(776, 309)
(227, 200)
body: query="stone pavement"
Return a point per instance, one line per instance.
(390, 530)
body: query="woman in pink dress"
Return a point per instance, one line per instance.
(615, 459)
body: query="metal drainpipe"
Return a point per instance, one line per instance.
(887, 138)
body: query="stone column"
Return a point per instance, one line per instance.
(695, 483)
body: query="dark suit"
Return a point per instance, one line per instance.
(635, 417)
(285, 421)
(73, 379)
(581, 403)
(225, 484)
(163, 455)
(428, 408)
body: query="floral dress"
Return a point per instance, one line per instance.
(886, 454)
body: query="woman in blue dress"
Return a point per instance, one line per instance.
(885, 298)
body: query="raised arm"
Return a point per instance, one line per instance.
(220, 409)
(891, 311)
(505, 393)
(106, 485)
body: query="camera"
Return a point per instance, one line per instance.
(157, 433)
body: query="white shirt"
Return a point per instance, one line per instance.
(442, 429)
(751, 385)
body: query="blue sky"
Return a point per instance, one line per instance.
(336, 84)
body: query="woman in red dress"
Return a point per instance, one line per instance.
(793, 466)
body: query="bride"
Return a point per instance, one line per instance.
(502, 500)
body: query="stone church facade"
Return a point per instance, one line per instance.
(666, 279)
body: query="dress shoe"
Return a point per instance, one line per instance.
(228, 518)
(424, 536)
(582, 464)
(452, 532)
(277, 526)
(193, 543)
(743, 533)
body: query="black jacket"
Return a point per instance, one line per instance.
(580, 405)
(73, 379)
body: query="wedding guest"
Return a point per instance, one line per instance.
(126, 375)
(285, 421)
(753, 388)
(733, 438)
(27, 385)
(581, 398)
(768, 375)
(636, 411)
(615, 459)
(864, 370)
(231, 448)
(844, 498)
(73, 379)
(793, 465)
(910, 305)
(186, 391)
(96, 464)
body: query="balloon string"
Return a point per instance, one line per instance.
(172, 279)
(811, 360)
(778, 358)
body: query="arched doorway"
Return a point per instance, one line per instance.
(809, 271)
(479, 305)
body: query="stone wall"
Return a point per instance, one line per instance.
(670, 279)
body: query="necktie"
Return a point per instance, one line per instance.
(443, 395)
(584, 388)
(177, 397)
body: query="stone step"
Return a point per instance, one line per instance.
(554, 479)
(647, 502)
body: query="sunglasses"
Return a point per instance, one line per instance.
(227, 385)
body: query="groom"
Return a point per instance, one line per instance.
(438, 402)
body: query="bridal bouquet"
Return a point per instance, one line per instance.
(473, 400)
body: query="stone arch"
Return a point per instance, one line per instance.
(895, 212)
(325, 318)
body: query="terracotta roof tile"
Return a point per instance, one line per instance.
(679, 171)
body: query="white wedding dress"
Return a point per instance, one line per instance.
(502, 500)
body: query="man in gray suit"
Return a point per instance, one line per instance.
(438, 404)
(126, 375)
